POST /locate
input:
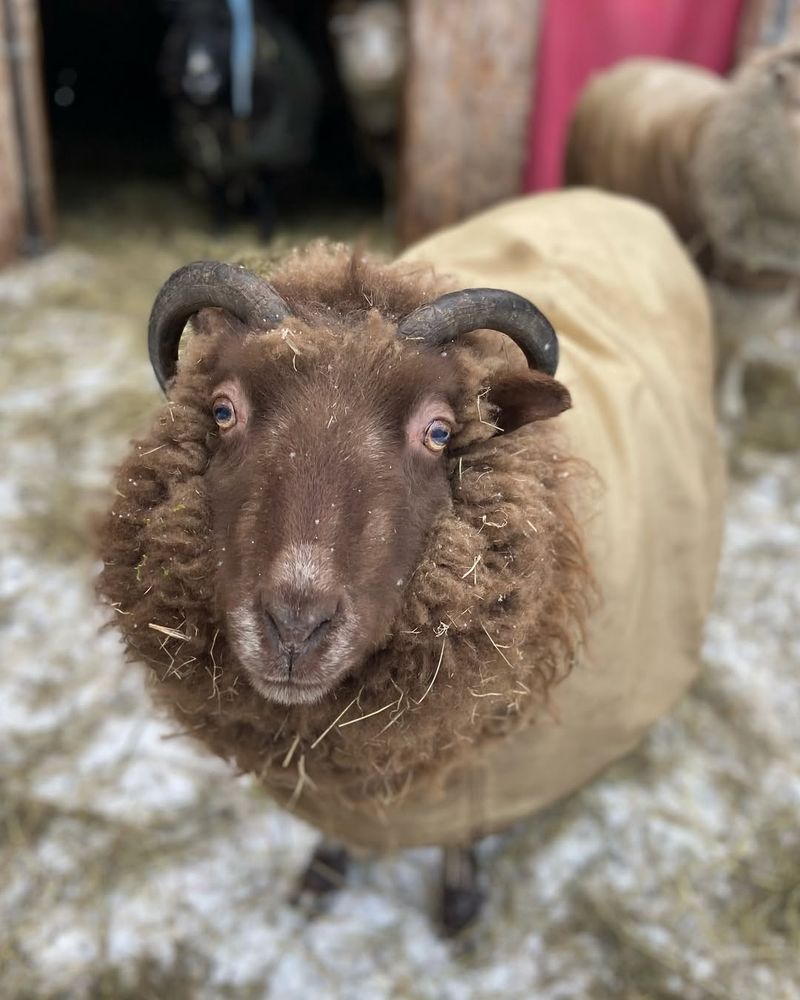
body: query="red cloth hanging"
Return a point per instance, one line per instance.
(579, 37)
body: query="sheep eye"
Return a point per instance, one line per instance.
(224, 413)
(437, 435)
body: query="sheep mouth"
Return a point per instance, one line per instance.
(288, 692)
(286, 680)
(285, 675)
(202, 89)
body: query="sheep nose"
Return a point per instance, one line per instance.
(297, 624)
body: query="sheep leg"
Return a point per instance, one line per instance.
(325, 872)
(462, 895)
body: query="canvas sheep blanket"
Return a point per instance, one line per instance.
(636, 355)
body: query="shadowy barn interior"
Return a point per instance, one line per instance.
(82, 100)
(84, 103)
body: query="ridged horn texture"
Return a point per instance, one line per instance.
(439, 322)
(248, 297)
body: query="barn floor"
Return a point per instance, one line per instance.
(135, 867)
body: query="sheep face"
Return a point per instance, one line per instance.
(370, 45)
(203, 63)
(749, 200)
(327, 476)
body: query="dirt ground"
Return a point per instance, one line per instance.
(134, 866)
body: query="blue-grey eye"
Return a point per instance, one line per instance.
(224, 413)
(437, 435)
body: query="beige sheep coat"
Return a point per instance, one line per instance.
(636, 354)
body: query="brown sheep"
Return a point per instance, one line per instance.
(358, 559)
(721, 159)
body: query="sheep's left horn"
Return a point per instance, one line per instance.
(448, 317)
(197, 286)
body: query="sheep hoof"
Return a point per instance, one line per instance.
(462, 895)
(324, 874)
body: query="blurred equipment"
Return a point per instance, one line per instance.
(27, 219)
(720, 159)
(245, 99)
(369, 42)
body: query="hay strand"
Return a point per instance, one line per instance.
(341, 715)
(173, 633)
(435, 675)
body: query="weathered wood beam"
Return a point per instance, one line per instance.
(467, 108)
(27, 212)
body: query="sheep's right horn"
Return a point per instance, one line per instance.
(451, 315)
(197, 286)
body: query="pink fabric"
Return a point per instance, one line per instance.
(579, 37)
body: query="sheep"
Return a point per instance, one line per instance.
(369, 43)
(719, 158)
(245, 98)
(364, 563)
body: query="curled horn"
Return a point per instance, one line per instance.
(248, 297)
(448, 317)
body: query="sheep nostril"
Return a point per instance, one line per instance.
(298, 626)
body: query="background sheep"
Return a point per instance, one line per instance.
(361, 696)
(243, 115)
(369, 41)
(719, 158)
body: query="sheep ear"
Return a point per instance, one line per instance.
(527, 396)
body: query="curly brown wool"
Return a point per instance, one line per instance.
(488, 622)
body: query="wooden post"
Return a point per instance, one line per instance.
(11, 198)
(27, 216)
(467, 108)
